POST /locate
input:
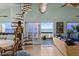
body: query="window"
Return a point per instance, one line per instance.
(47, 27)
(6, 28)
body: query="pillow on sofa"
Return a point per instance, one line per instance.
(70, 43)
(22, 53)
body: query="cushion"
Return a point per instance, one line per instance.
(8, 53)
(22, 53)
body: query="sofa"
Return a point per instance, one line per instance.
(65, 49)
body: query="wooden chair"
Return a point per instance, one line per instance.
(1, 50)
(4, 38)
(26, 41)
(13, 50)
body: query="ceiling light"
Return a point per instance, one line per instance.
(43, 7)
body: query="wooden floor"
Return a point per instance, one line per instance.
(43, 50)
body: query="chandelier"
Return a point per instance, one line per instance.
(43, 7)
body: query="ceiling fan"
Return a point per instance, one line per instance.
(73, 4)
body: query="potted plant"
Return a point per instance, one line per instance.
(69, 32)
(77, 28)
(44, 37)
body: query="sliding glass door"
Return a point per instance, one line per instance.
(36, 31)
(33, 32)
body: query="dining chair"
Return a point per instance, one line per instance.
(12, 51)
(26, 41)
(24, 52)
(1, 50)
(15, 50)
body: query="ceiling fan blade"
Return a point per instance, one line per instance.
(64, 5)
(73, 4)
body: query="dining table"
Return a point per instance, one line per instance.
(5, 44)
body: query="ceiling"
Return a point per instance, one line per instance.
(4, 6)
(7, 5)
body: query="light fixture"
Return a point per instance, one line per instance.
(73, 4)
(43, 7)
